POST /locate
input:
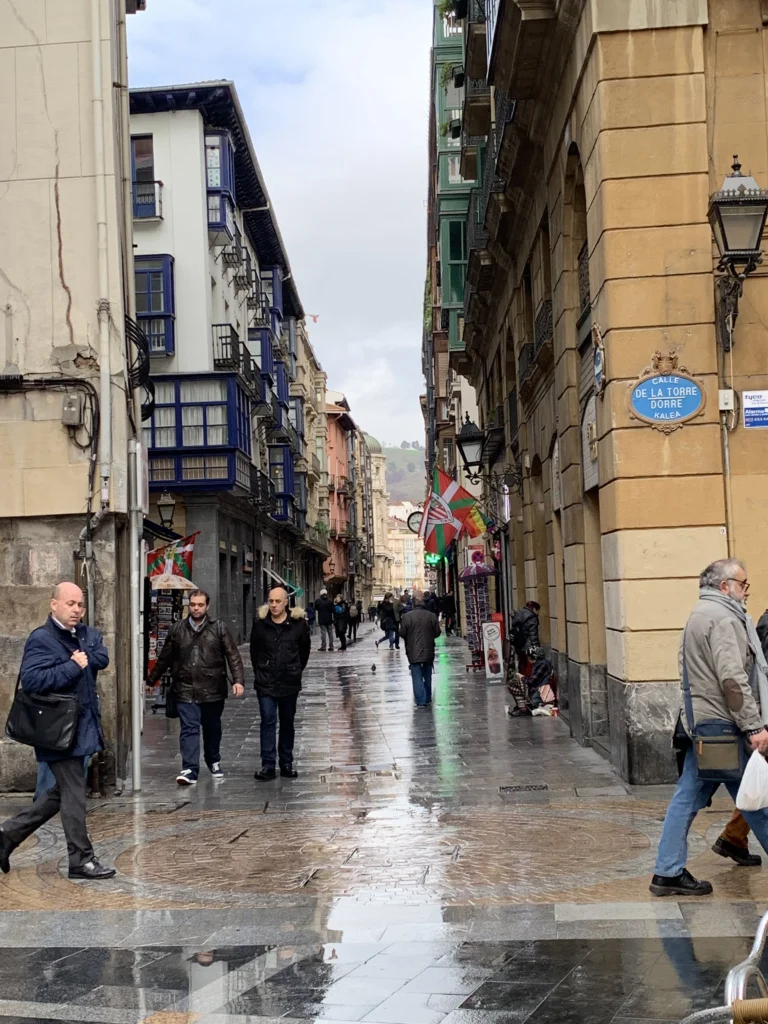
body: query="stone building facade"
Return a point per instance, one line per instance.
(606, 125)
(65, 291)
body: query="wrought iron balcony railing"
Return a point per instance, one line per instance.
(227, 348)
(147, 200)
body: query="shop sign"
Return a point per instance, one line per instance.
(755, 405)
(665, 395)
(493, 651)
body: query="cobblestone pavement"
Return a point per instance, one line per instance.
(452, 864)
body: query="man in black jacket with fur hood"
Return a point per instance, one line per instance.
(280, 647)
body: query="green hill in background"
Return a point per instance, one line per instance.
(406, 474)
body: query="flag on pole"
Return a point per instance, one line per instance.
(174, 559)
(444, 514)
(475, 524)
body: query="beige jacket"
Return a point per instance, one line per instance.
(719, 660)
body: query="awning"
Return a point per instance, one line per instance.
(159, 532)
(289, 588)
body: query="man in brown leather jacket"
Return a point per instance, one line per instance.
(197, 651)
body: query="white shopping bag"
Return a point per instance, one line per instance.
(753, 790)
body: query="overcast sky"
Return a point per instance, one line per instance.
(336, 95)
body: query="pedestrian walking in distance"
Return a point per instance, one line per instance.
(448, 608)
(197, 651)
(341, 620)
(324, 615)
(311, 617)
(64, 656)
(388, 621)
(419, 629)
(725, 692)
(353, 616)
(279, 652)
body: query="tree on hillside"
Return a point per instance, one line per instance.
(405, 444)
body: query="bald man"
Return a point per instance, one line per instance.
(280, 647)
(64, 656)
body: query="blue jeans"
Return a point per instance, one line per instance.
(421, 676)
(191, 718)
(46, 780)
(393, 636)
(693, 794)
(271, 708)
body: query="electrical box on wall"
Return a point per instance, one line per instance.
(72, 412)
(726, 401)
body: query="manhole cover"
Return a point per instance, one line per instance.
(523, 789)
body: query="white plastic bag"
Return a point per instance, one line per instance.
(753, 790)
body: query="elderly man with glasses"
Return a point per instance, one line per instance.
(725, 687)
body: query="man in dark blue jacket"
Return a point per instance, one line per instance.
(64, 656)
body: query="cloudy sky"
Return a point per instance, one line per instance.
(336, 95)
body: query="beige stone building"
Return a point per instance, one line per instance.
(407, 551)
(67, 360)
(383, 557)
(592, 134)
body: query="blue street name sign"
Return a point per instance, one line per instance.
(666, 399)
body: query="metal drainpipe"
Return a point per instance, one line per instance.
(136, 515)
(105, 383)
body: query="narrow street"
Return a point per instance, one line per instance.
(450, 865)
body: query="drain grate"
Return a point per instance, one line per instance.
(523, 789)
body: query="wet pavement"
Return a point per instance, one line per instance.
(451, 865)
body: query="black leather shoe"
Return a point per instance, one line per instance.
(287, 772)
(740, 854)
(683, 884)
(265, 775)
(5, 854)
(92, 870)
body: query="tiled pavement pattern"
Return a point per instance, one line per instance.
(409, 875)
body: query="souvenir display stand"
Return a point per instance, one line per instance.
(475, 580)
(168, 602)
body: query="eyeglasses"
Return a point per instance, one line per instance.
(744, 584)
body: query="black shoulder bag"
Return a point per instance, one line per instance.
(719, 745)
(46, 720)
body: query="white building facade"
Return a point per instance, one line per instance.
(217, 301)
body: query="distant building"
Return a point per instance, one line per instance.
(237, 432)
(383, 556)
(408, 557)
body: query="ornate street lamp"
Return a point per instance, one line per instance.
(166, 506)
(737, 215)
(470, 441)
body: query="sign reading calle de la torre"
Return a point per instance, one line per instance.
(665, 395)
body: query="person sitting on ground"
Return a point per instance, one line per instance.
(524, 633)
(540, 682)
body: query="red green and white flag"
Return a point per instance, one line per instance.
(447, 508)
(174, 559)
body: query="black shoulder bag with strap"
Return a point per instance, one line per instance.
(719, 745)
(46, 720)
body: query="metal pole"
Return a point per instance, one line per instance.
(137, 694)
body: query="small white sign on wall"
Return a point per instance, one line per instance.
(755, 406)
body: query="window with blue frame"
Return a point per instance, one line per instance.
(199, 414)
(281, 468)
(155, 305)
(296, 415)
(145, 187)
(220, 162)
(301, 491)
(282, 382)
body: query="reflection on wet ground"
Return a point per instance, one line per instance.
(589, 982)
(410, 874)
